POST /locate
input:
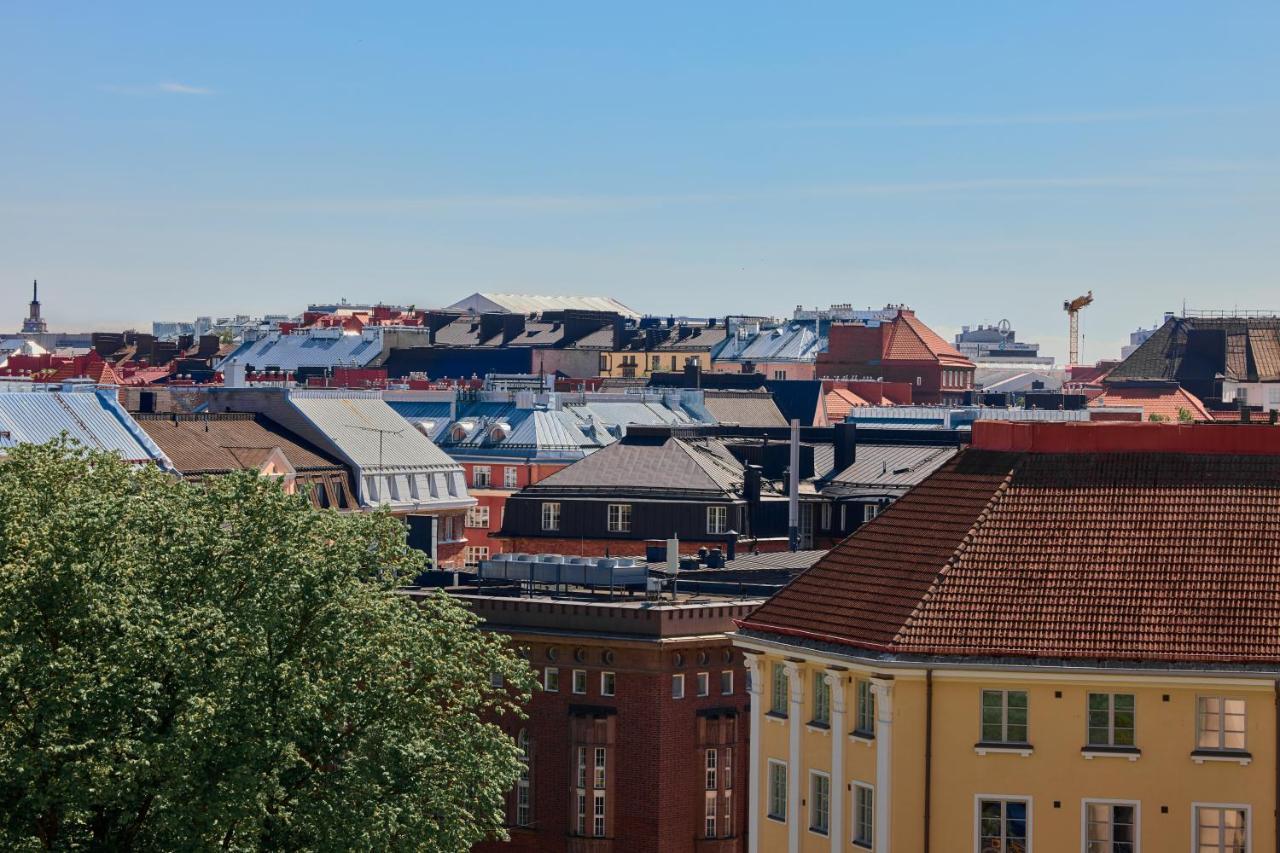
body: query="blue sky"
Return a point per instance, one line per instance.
(975, 161)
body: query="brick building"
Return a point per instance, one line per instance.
(637, 741)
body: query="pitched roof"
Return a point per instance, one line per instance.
(1135, 556)
(648, 464)
(911, 340)
(793, 342)
(311, 348)
(1166, 402)
(839, 401)
(530, 303)
(199, 444)
(95, 419)
(369, 431)
(883, 468)
(1246, 349)
(749, 408)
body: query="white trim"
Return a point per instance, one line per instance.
(1092, 754)
(754, 696)
(836, 682)
(1248, 821)
(977, 817)
(853, 822)
(1224, 757)
(882, 688)
(795, 685)
(1105, 801)
(865, 740)
(1024, 751)
(768, 781)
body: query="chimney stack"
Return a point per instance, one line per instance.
(845, 439)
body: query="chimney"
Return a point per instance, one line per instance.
(845, 441)
(693, 375)
(751, 478)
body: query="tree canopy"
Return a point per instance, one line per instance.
(219, 666)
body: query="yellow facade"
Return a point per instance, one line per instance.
(1160, 785)
(640, 365)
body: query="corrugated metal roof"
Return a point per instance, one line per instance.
(892, 466)
(797, 342)
(321, 348)
(369, 431)
(531, 303)
(94, 419)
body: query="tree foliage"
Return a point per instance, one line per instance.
(221, 666)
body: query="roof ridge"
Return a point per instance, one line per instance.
(957, 554)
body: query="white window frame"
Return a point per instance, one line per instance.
(550, 674)
(724, 682)
(510, 476)
(779, 374)
(774, 764)
(870, 841)
(677, 686)
(599, 814)
(1103, 801)
(825, 515)
(717, 519)
(1248, 822)
(619, 522)
(524, 785)
(600, 768)
(869, 512)
(1222, 730)
(711, 763)
(710, 810)
(702, 684)
(478, 517)
(579, 680)
(1111, 720)
(821, 701)
(473, 555)
(607, 689)
(1004, 716)
(864, 698)
(779, 690)
(814, 776)
(977, 817)
(550, 515)
(481, 476)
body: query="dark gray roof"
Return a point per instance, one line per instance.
(889, 468)
(749, 408)
(651, 463)
(1186, 349)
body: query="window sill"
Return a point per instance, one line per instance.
(775, 717)
(865, 738)
(1130, 752)
(776, 819)
(862, 845)
(1022, 749)
(815, 726)
(819, 832)
(1230, 756)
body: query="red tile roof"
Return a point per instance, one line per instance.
(839, 401)
(1165, 402)
(1161, 557)
(911, 340)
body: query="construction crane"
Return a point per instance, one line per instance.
(1073, 307)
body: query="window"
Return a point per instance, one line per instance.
(777, 790)
(580, 825)
(713, 774)
(579, 681)
(1003, 825)
(726, 683)
(510, 476)
(523, 798)
(864, 720)
(1111, 719)
(496, 681)
(728, 768)
(709, 812)
(781, 684)
(597, 823)
(473, 555)
(551, 680)
(704, 683)
(864, 813)
(819, 802)
(677, 686)
(869, 511)
(598, 779)
(1221, 723)
(480, 476)
(1222, 829)
(478, 516)
(608, 681)
(717, 519)
(1111, 827)
(582, 767)
(844, 516)
(582, 812)
(1004, 716)
(551, 516)
(619, 518)
(779, 374)
(821, 701)
(826, 516)
(727, 829)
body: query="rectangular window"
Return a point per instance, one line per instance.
(779, 374)
(579, 681)
(781, 686)
(709, 813)
(619, 518)
(1111, 827)
(608, 682)
(864, 721)
(1222, 829)
(727, 773)
(844, 517)
(510, 476)
(551, 516)
(717, 519)
(677, 686)
(1003, 826)
(523, 799)
(496, 681)
(727, 828)
(726, 683)
(551, 680)
(821, 701)
(582, 813)
(819, 802)
(864, 813)
(1221, 723)
(713, 774)
(826, 516)
(480, 476)
(473, 555)
(777, 790)
(597, 823)
(1004, 716)
(478, 516)
(704, 683)
(582, 767)
(869, 511)
(1111, 719)
(598, 780)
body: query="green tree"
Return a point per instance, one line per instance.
(221, 666)
(1185, 416)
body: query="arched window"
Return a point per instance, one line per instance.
(524, 786)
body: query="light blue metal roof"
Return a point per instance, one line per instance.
(93, 418)
(795, 342)
(321, 348)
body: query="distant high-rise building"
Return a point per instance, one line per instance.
(997, 343)
(34, 324)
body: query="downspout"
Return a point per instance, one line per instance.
(1277, 763)
(928, 751)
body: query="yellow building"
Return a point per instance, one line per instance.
(663, 349)
(1040, 649)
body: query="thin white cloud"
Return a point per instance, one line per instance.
(164, 88)
(1007, 120)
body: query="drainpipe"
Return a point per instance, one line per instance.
(928, 753)
(793, 491)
